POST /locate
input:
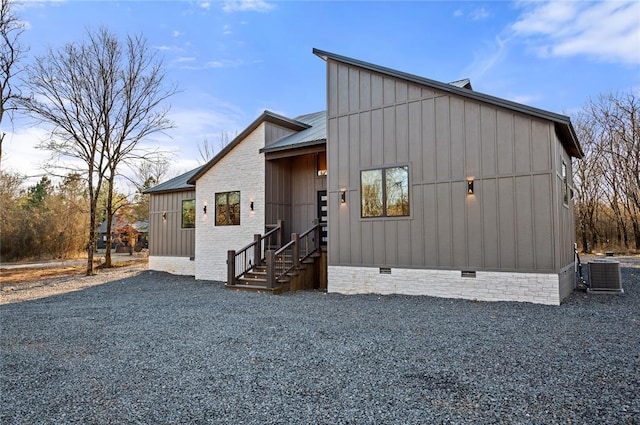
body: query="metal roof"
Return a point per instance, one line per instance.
(563, 124)
(315, 134)
(176, 184)
(465, 83)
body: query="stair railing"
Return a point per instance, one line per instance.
(241, 261)
(288, 257)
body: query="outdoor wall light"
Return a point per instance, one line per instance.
(251, 205)
(164, 215)
(204, 209)
(469, 186)
(343, 196)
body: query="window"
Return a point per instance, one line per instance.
(228, 209)
(565, 184)
(385, 192)
(189, 214)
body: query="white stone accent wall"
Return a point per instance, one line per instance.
(174, 265)
(242, 169)
(536, 288)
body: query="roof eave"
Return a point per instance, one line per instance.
(574, 148)
(296, 146)
(177, 189)
(266, 116)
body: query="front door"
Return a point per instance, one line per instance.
(322, 215)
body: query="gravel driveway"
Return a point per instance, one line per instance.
(156, 348)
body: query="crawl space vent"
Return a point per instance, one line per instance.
(604, 276)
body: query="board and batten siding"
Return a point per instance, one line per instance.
(510, 223)
(273, 132)
(167, 238)
(291, 186)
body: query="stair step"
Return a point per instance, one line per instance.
(252, 281)
(258, 288)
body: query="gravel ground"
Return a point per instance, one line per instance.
(156, 348)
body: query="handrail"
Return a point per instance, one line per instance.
(281, 265)
(241, 261)
(285, 247)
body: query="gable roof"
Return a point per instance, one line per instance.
(176, 184)
(563, 125)
(315, 134)
(266, 116)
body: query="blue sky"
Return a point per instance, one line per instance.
(234, 59)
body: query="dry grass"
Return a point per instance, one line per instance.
(28, 283)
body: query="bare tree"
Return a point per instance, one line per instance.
(147, 175)
(208, 150)
(588, 180)
(101, 97)
(608, 178)
(11, 51)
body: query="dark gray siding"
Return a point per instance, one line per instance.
(166, 237)
(274, 132)
(510, 223)
(292, 185)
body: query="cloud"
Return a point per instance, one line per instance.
(166, 48)
(486, 59)
(476, 14)
(205, 5)
(193, 125)
(247, 6)
(220, 63)
(215, 64)
(185, 59)
(605, 31)
(177, 33)
(226, 29)
(479, 14)
(525, 99)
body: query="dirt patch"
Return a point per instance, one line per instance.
(30, 275)
(25, 284)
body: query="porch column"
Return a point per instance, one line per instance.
(257, 249)
(271, 264)
(279, 233)
(231, 267)
(295, 250)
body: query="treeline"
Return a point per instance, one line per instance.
(45, 220)
(608, 177)
(48, 220)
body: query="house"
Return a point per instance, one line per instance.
(172, 225)
(404, 185)
(121, 230)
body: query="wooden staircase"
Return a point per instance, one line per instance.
(286, 273)
(256, 280)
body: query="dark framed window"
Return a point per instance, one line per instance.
(385, 192)
(565, 184)
(189, 214)
(228, 209)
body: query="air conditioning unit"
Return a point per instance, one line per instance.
(604, 277)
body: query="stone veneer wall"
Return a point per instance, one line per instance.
(567, 280)
(173, 265)
(539, 288)
(242, 169)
